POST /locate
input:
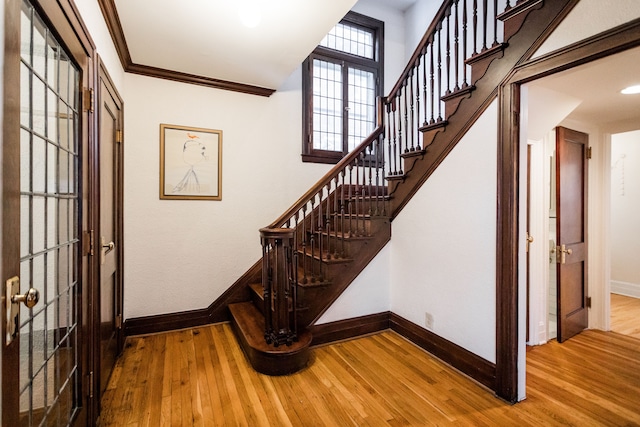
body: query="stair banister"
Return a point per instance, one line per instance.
(339, 205)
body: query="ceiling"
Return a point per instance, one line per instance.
(248, 45)
(595, 88)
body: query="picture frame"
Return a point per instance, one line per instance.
(190, 163)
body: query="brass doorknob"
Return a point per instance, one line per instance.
(109, 247)
(563, 251)
(30, 299)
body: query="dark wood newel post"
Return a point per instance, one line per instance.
(279, 279)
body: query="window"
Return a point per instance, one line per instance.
(341, 80)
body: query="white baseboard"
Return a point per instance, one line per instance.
(625, 288)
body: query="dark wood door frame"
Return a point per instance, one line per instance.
(103, 78)
(610, 42)
(10, 198)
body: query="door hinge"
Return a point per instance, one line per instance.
(589, 153)
(588, 302)
(90, 385)
(88, 101)
(119, 136)
(119, 321)
(88, 242)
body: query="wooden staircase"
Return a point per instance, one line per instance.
(341, 224)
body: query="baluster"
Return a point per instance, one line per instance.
(456, 59)
(484, 24)
(495, 23)
(439, 72)
(424, 84)
(266, 285)
(327, 220)
(399, 121)
(388, 133)
(368, 162)
(357, 194)
(464, 44)
(400, 118)
(320, 233)
(305, 236)
(383, 182)
(412, 127)
(312, 239)
(376, 148)
(334, 214)
(293, 287)
(395, 162)
(350, 199)
(342, 212)
(475, 27)
(431, 82)
(417, 124)
(448, 53)
(406, 118)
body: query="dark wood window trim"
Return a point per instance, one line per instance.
(375, 65)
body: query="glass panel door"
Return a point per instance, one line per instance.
(49, 243)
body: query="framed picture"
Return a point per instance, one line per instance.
(190, 163)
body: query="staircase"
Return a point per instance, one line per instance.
(319, 246)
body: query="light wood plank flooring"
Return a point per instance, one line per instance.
(199, 377)
(625, 315)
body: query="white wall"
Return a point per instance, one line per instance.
(190, 252)
(625, 213)
(367, 294)
(182, 255)
(587, 18)
(417, 19)
(92, 17)
(443, 249)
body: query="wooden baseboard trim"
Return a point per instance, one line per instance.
(469, 363)
(349, 328)
(166, 322)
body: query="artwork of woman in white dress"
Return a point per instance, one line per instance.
(191, 162)
(193, 152)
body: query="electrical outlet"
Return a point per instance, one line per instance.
(428, 321)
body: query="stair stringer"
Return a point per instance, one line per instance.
(521, 46)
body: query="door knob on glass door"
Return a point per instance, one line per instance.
(30, 299)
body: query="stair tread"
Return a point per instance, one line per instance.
(251, 323)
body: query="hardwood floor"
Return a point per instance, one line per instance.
(625, 315)
(200, 377)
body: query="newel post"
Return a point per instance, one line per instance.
(279, 281)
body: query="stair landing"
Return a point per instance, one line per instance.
(248, 323)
